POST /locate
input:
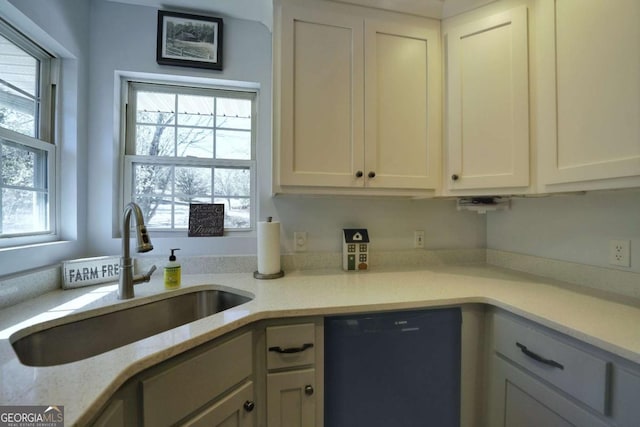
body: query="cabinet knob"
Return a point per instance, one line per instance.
(249, 405)
(359, 174)
(308, 390)
(455, 177)
(372, 174)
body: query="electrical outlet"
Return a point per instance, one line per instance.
(418, 239)
(619, 253)
(300, 241)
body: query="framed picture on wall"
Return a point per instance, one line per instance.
(189, 40)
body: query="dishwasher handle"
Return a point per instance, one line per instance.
(290, 350)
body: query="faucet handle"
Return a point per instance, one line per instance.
(150, 272)
(144, 277)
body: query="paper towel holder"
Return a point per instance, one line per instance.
(262, 276)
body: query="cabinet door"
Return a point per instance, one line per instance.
(487, 126)
(402, 104)
(519, 400)
(113, 415)
(626, 389)
(235, 410)
(181, 388)
(321, 112)
(590, 93)
(291, 400)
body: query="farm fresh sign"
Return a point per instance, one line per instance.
(90, 271)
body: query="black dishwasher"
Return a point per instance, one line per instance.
(393, 369)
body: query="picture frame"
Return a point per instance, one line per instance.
(189, 40)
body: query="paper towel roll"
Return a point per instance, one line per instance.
(268, 247)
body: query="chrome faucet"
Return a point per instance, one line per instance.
(127, 279)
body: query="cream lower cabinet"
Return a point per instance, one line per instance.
(541, 378)
(208, 386)
(293, 371)
(235, 410)
(357, 100)
(184, 391)
(589, 94)
(113, 415)
(290, 398)
(487, 104)
(522, 401)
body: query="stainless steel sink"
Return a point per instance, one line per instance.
(88, 337)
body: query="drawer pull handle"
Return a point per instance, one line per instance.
(249, 405)
(291, 349)
(539, 358)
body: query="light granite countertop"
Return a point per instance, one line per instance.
(84, 386)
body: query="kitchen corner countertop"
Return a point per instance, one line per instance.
(84, 387)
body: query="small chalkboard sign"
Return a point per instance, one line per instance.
(206, 219)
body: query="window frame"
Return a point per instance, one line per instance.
(44, 138)
(128, 131)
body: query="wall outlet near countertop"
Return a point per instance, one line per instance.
(619, 253)
(300, 241)
(418, 239)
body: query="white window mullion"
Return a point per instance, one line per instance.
(213, 184)
(175, 126)
(215, 128)
(173, 196)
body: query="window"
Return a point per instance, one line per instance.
(27, 153)
(189, 145)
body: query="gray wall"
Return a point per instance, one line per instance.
(391, 223)
(100, 39)
(98, 42)
(61, 27)
(123, 40)
(574, 228)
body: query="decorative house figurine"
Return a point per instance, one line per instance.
(355, 249)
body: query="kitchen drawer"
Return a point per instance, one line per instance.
(186, 386)
(521, 400)
(572, 370)
(290, 346)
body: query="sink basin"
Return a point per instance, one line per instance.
(88, 337)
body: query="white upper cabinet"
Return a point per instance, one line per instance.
(487, 105)
(321, 94)
(357, 101)
(589, 97)
(540, 96)
(402, 98)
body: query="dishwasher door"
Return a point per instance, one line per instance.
(394, 369)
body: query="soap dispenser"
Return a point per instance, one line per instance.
(172, 272)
